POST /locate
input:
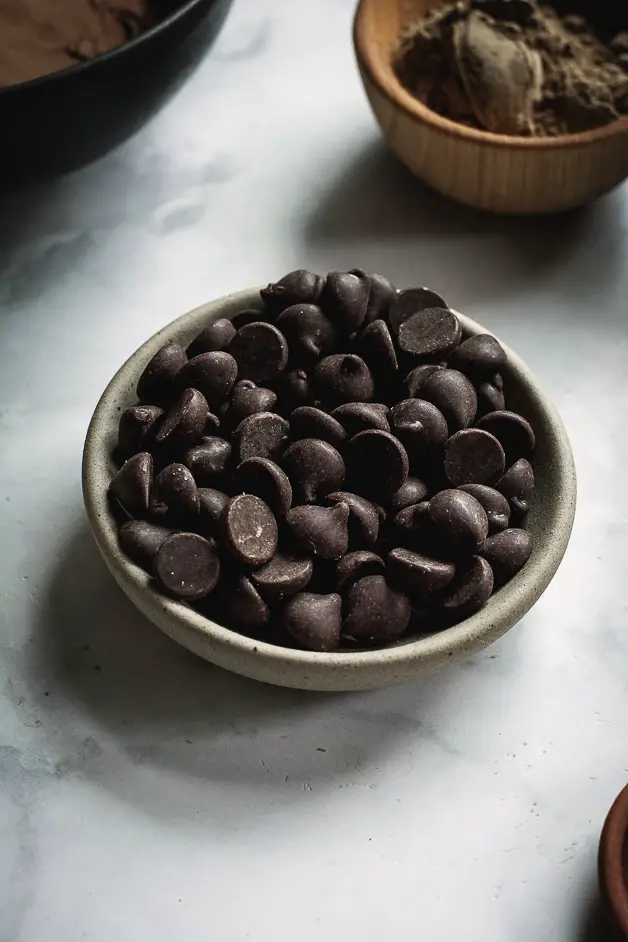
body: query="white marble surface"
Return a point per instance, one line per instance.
(145, 795)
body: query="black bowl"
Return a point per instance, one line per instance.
(61, 121)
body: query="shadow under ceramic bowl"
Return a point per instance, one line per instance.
(550, 522)
(61, 121)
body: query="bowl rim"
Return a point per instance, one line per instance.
(60, 75)
(503, 610)
(382, 75)
(610, 860)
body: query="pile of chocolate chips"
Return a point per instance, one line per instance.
(336, 468)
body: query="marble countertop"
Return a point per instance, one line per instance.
(145, 795)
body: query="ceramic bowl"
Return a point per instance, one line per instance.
(613, 865)
(494, 172)
(550, 522)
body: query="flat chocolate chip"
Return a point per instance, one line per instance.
(512, 430)
(412, 301)
(243, 605)
(507, 553)
(265, 479)
(297, 287)
(517, 485)
(419, 425)
(140, 541)
(309, 332)
(156, 385)
(376, 348)
(473, 456)
(186, 566)
(314, 620)
(211, 507)
(322, 531)
(261, 352)
(176, 490)
(212, 373)
(137, 429)
(344, 377)
(208, 461)
(249, 529)
(459, 518)
(417, 574)
(310, 422)
(381, 293)
(433, 332)
(357, 565)
(247, 399)
(470, 589)
(216, 337)
(412, 491)
(132, 484)
(185, 421)
(282, 577)
(261, 435)
(416, 377)
(363, 517)
(314, 467)
(375, 611)
(377, 463)
(359, 416)
(479, 356)
(344, 299)
(454, 395)
(496, 506)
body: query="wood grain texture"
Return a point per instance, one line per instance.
(494, 172)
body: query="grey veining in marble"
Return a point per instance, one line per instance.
(146, 795)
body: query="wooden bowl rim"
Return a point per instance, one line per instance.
(382, 75)
(611, 853)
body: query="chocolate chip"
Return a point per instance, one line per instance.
(140, 541)
(416, 377)
(512, 430)
(309, 332)
(454, 395)
(375, 611)
(491, 395)
(297, 287)
(410, 302)
(459, 519)
(495, 505)
(363, 517)
(359, 416)
(314, 620)
(212, 373)
(417, 574)
(131, 485)
(261, 435)
(282, 577)
(412, 520)
(242, 604)
(208, 461)
(473, 456)
(136, 429)
(249, 316)
(377, 463)
(344, 299)
(185, 421)
(294, 389)
(343, 377)
(433, 332)
(176, 490)
(321, 531)
(211, 507)
(314, 467)
(419, 425)
(310, 422)
(217, 336)
(264, 478)
(260, 350)
(249, 529)
(357, 565)
(186, 566)
(481, 355)
(470, 589)
(156, 385)
(517, 485)
(376, 348)
(507, 553)
(247, 399)
(381, 293)
(412, 491)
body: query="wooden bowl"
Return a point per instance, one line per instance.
(494, 172)
(550, 522)
(613, 865)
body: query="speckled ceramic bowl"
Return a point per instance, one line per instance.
(550, 522)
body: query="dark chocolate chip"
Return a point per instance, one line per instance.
(419, 425)
(459, 519)
(249, 529)
(376, 348)
(412, 491)
(294, 390)
(433, 332)
(377, 464)
(470, 589)
(357, 565)
(212, 373)
(186, 566)
(375, 611)
(507, 553)
(413, 519)
(513, 11)
(211, 507)
(260, 350)
(282, 577)
(417, 574)
(249, 316)
(416, 377)
(512, 430)
(185, 421)
(363, 517)
(491, 395)
(343, 377)
(247, 399)
(454, 395)
(131, 485)
(381, 293)
(314, 467)
(297, 287)
(495, 505)
(322, 531)
(359, 416)
(410, 302)
(517, 485)
(175, 489)
(208, 461)
(156, 385)
(479, 356)
(263, 477)
(217, 336)
(242, 605)
(310, 422)
(314, 620)
(140, 541)
(309, 332)
(344, 299)
(473, 456)
(137, 429)
(261, 435)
